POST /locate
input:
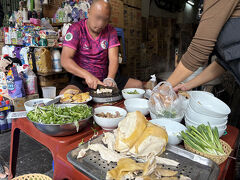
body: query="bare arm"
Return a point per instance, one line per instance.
(113, 62)
(215, 14)
(69, 64)
(179, 74)
(112, 67)
(213, 71)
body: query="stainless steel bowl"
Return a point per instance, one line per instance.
(63, 129)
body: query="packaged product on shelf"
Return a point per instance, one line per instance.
(8, 50)
(15, 84)
(31, 55)
(35, 39)
(3, 84)
(16, 51)
(56, 57)
(7, 36)
(30, 81)
(43, 39)
(24, 55)
(43, 60)
(13, 36)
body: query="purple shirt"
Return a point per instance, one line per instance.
(91, 54)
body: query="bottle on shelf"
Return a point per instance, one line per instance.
(56, 58)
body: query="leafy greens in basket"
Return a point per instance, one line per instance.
(203, 139)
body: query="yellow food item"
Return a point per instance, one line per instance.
(140, 137)
(66, 95)
(66, 100)
(124, 166)
(165, 172)
(71, 91)
(129, 130)
(72, 95)
(152, 140)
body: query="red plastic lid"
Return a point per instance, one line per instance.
(7, 102)
(1, 98)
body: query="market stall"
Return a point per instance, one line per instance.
(61, 146)
(139, 127)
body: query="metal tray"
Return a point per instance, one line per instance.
(192, 165)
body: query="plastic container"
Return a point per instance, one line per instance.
(56, 57)
(9, 121)
(25, 15)
(49, 92)
(3, 122)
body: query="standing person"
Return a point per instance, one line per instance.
(90, 52)
(212, 30)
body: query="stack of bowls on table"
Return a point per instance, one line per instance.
(204, 108)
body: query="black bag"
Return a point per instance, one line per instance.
(227, 47)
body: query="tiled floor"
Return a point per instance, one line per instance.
(32, 156)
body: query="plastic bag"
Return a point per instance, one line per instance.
(30, 81)
(15, 84)
(43, 60)
(164, 102)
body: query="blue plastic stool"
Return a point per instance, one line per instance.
(120, 33)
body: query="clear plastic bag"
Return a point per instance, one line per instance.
(164, 102)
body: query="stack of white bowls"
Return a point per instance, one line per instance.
(204, 108)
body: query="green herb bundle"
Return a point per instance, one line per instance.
(203, 139)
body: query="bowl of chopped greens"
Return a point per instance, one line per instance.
(133, 93)
(170, 115)
(60, 120)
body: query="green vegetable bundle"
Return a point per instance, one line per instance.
(60, 115)
(203, 139)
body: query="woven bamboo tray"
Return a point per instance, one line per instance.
(216, 158)
(32, 177)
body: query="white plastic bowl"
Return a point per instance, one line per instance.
(177, 119)
(197, 117)
(109, 123)
(208, 105)
(173, 129)
(186, 103)
(30, 105)
(196, 123)
(220, 129)
(199, 93)
(137, 104)
(128, 96)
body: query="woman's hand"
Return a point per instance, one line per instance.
(182, 87)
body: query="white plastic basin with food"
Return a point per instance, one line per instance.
(108, 117)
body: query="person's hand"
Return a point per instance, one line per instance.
(109, 82)
(182, 87)
(92, 81)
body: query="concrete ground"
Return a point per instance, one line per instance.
(32, 156)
